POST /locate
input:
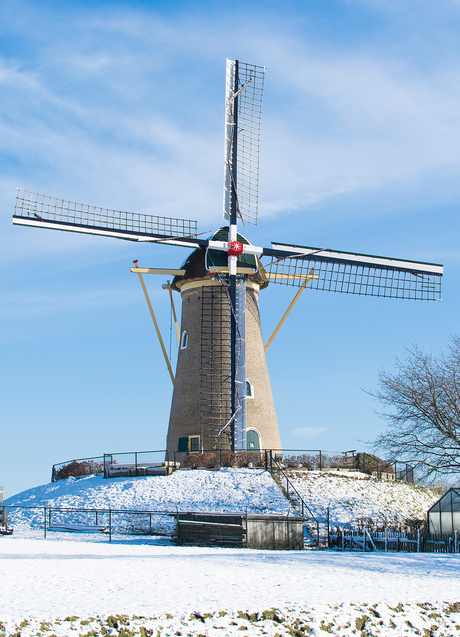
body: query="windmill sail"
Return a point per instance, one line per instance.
(241, 164)
(353, 273)
(42, 211)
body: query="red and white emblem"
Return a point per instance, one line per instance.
(235, 248)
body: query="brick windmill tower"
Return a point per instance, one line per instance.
(201, 410)
(222, 397)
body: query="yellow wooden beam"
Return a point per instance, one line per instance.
(158, 271)
(157, 329)
(167, 286)
(223, 269)
(271, 276)
(308, 278)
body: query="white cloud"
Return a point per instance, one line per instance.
(309, 432)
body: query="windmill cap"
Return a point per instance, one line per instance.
(201, 262)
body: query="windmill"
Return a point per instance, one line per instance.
(222, 397)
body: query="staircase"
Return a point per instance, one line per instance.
(316, 529)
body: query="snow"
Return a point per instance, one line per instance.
(354, 495)
(186, 490)
(46, 580)
(86, 585)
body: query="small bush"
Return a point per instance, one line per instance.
(242, 459)
(304, 461)
(77, 469)
(195, 460)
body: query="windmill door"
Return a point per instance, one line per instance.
(252, 440)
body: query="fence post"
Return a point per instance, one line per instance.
(320, 461)
(418, 540)
(328, 532)
(386, 539)
(44, 521)
(343, 538)
(177, 527)
(110, 524)
(135, 462)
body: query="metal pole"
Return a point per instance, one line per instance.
(44, 520)
(110, 524)
(320, 461)
(233, 260)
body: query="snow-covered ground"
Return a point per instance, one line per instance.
(354, 495)
(85, 585)
(51, 580)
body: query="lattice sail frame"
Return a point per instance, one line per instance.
(39, 210)
(403, 280)
(248, 116)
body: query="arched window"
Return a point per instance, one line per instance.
(249, 389)
(184, 340)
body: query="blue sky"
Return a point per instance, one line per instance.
(122, 105)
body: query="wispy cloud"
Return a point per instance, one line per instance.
(135, 121)
(309, 432)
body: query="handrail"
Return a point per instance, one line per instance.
(288, 482)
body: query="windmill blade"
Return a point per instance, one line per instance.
(42, 211)
(243, 112)
(353, 273)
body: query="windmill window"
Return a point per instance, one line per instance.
(193, 443)
(184, 340)
(249, 389)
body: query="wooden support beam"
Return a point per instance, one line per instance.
(157, 271)
(167, 286)
(308, 278)
(157, 329)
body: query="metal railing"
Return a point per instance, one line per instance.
(347, 538)
(108, 521)
(164, 462)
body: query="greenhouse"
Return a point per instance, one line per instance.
(444, 516)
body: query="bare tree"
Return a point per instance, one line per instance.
(422, 401)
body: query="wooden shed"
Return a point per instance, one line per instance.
(237, 530)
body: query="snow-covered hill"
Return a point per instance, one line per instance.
(227, 490)
(349, 496)
(354, 495)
